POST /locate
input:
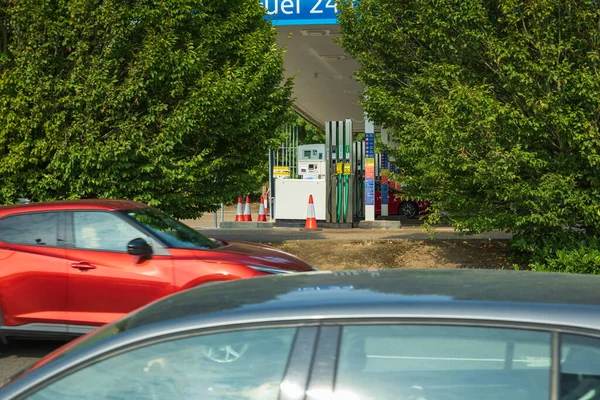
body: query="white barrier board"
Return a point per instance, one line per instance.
(291, 198)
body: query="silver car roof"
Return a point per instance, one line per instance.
(560, 302)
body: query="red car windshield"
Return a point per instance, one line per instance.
(170, 231)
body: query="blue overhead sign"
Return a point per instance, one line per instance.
(300, 12)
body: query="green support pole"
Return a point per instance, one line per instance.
(345, 178)
(347, 191)
(339, 181)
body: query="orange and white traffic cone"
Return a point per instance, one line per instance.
(311, 218)
(261, 213)
(239, 217)
(266, 203)
(247, 212)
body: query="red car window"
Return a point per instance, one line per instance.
(34, 229)
(103, 231)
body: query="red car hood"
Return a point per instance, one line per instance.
(260, 255)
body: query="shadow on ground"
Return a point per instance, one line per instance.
(20, 354)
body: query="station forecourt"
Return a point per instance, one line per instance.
(341, 174)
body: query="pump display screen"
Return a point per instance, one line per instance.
(307, 153)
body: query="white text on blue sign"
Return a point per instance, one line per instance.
(301, 11)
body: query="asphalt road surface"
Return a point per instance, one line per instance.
(208, 220)
(20, 354)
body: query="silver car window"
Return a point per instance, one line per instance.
(579, 368)
(443, 363)
(244, 365)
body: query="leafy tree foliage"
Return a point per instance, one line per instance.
(168, 102)
(496, 105)
(308, 132)
(4, 32)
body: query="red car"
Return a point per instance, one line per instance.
(396, 206)
(69, 266)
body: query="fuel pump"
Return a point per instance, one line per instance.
(358, 158)
(339, 172)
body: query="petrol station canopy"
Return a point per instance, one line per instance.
(325, 88)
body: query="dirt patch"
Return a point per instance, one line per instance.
(331, 255)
